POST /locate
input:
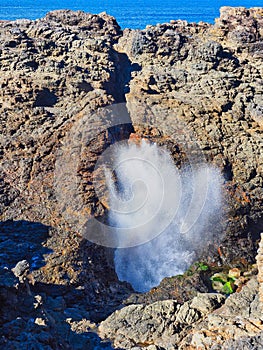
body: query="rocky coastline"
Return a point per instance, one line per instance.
(58, 290)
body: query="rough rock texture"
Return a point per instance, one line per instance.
(55, 299)
(161, 323)
(209, 78)
(53, 71)
(198, 80)
(201, 323)
(238, 320)
(260, 270)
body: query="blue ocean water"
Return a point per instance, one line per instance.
(129, 13)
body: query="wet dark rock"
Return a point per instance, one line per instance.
(7, 278)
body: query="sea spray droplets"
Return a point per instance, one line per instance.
(172, 213)
(145, 176)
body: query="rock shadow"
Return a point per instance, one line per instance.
(118, 85)
(36, 313)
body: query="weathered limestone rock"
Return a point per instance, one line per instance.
(60, 69)
(209, 78)
(159, 323)
(238, 320)
(21, 268)
(55, 73)
(260, 271)
(208, 321)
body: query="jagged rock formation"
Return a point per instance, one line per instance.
(53, 71)
(260, 270)
(210, 79)
(159, 323)
(56, 73)
(201, 323)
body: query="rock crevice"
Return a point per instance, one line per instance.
(57, 76)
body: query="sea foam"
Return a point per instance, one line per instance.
(162, 215)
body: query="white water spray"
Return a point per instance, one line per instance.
(162, 214)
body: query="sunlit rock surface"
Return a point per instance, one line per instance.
(55, 72)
